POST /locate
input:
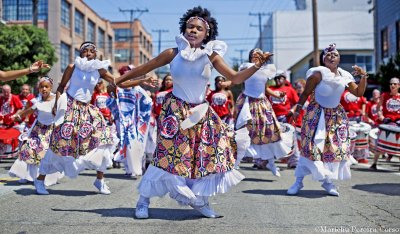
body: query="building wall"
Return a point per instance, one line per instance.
(65, 35)
(142, 44)
(292, 36)
(387, 15)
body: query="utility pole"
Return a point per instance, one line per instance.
(259, 14)
(159, 31)
(35, 12)
(315, 32)
(241, 54)
(132, 11)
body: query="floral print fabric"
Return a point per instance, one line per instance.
(83, 130)
(263, 127)
(34, 149)
(337, 141)
(206, 148)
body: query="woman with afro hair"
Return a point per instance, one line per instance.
(195, 154)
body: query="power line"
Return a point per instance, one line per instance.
(259, 14)
(132, 11)
(159, 31)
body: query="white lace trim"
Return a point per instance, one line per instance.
(91, 65)
(329, 77)
(320, 170)
(192, 54)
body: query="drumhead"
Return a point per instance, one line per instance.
(390, 128)
(374, 133)
(359, 127)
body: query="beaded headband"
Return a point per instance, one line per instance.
(46, 78)
(330, 48)
(86, 45)
(395, 80)
(201, 19)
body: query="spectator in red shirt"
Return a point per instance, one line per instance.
(9, 105)
(221, 100)
(282, 106)
(372, 108)
(390, 114)
(354, 106)
(166, 87)
(99, 99)
(27, 99)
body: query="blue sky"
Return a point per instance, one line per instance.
(232, 16)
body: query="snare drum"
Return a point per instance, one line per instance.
(353, 137)
(389, 139)
(287, 135)
(362, 130)
(373, 137)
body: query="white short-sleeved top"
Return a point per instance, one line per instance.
(255, 85)
(331, 86)
(44, 111)
(85, 77)
(191, 69)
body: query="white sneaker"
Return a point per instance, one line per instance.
(102, 186)
(142, 211)
(206, 211)
(295, 188)
(40, 187)
(23, 181)
(330, 188)
(274, 169)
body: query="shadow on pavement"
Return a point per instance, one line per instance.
(154, 213)
(362, 169)
(111, 176)
(70, 193)
(256, 180)
(279, 192)
(390, 189)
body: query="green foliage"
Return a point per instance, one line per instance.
(387, 71)
(20, 46)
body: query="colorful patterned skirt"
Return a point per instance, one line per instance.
(267, 140)
(32, 151)
(333, 161)
(201, 157)
(83, 135)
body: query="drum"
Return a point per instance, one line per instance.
(287, 135)
(353, 137)
(362, 130)
(9, 142)
(389, 139)
(373, 137)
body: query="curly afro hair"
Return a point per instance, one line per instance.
(206, 15)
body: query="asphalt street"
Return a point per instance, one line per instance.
(369, 202)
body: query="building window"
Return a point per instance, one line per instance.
(141, 57)
(110, 45)
(78, 23)
(100, 38)
(22, 10)
(121, 55)
(398, 35)
(384, 43)
(122, 34)
(65, 55)
(365, 62)
(77, 53)
(90, 31)
(65, 13)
